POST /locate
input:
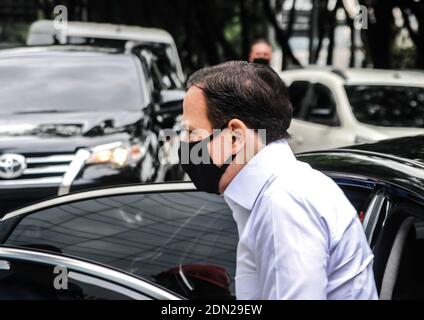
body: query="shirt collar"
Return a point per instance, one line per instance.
(248, 183)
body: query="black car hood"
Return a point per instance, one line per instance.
(64, 131)
(66, 124)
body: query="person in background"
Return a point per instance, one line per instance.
(261, 52)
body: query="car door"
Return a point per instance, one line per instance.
(298, 91)
(393, 222)
(27, 274)
(316, 124)
(397, 239)
(157, 232)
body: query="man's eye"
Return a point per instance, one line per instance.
(186, 132)
(188, 135)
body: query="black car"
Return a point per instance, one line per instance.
(186, 241)
(79, 117)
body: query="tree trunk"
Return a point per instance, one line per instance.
(331, 30)
(281, 35)
(322, 27)
(408, 8)
(351, 24)
(313, 28)
(380, 33)
(246, 30)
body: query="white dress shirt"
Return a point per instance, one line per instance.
(299, 236)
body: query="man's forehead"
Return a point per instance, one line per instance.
(194, 104)
(261, 46)
(195, 109)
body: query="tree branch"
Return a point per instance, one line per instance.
(281, 35)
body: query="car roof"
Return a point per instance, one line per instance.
(377, 76)
(353, 76)
(103, 31)
(179, 186)
(397, 162)
(405, 148)
(408, 150)
(57, 50)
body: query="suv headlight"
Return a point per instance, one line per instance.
(117, 154)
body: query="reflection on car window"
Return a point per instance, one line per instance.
(321, 107)
(75, 82)
(147, 235)
(160, 64)
(28, 280)
(297, 93)
(358, 197)
(92, 288)
(313, 103)
(388, 106)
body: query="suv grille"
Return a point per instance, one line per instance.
(42, 169)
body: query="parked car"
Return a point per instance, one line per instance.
(335, 108)
(44, 32)
(79, 117)
(148, 231)
(30, 275)
(186, 240)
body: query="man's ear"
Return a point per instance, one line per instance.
(250, 58)
(238, 134)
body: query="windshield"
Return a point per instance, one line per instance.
(69, 82)
(387, 106)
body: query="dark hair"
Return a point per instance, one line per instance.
(252, 93)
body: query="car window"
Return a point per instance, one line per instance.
(321, 107)
(148, 235)
(75, 82)
(358, 197)
(93, 288)
(28, 280)
(388, 106)
(160, 65)
(297, 92)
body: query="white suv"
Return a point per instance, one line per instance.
(335, 108)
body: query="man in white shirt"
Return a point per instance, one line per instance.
(299, 236)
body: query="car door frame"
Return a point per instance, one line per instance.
(99, 193)
(123, 283)
(335, 87)
(13, 218)
(378, 196)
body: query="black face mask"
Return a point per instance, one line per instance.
(262, 61)
(205, 175)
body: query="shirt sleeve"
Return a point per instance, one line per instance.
(291, 249)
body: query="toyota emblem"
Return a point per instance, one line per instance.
(12, 166)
